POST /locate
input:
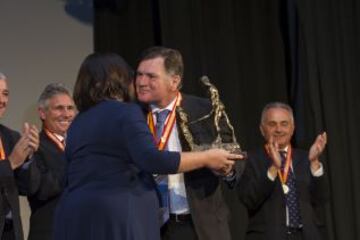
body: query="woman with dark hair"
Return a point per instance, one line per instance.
(110, 193)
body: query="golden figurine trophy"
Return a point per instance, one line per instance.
(217, 112)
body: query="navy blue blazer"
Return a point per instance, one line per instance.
(110, 192)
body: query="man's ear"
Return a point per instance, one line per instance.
(175, 82)
(262, 130)
(42, 113)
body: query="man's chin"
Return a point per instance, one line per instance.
(63, 128)
(283, 144)
(144, 99)
(2, 112)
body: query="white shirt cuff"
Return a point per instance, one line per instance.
(270, 177)
(319, 172)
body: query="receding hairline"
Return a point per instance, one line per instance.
(276, 105)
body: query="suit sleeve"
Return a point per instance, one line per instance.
(319, 189)
(27, 178)
(254, 186)
(141, 147)
(5, 168)
(9, 138)
(37, 178)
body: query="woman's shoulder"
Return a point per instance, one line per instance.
(108, 111)
(113, 105)
(117, 108)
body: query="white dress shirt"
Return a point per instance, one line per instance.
(177, 193)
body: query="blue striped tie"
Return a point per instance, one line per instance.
(160, 122)
(162, 180)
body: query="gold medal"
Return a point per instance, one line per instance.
(285, 188)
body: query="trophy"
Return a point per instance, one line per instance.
(218, 112)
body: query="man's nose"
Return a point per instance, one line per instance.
(278, 128)
(68, 112)
(2, 99)
(141, 80)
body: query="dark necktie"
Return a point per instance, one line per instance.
(160, 122)
(291, 198)
(162, 180)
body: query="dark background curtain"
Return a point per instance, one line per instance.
(305, 53)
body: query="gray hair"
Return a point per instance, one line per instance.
(51, 90)
(2, 76)
(277, 105)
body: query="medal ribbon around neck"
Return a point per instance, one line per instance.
(283, 175)
(55, 140)
(169, 124)
(2, 151)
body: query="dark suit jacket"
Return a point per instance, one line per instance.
(42, 182)
(9, 199)
(266, 202)
(207, 204)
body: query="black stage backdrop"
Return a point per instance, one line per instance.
(305, 53)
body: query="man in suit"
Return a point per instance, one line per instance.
(283, 187)
(41, 178)
(196, 205)
(14, 150)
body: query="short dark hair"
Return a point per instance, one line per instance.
(102, 76)
(173, 61)
(51, 90)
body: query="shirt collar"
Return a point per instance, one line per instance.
(58, 136)
(61, 138)
(155, 109)
(285, 149)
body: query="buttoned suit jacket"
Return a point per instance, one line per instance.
(9, 198)
(265, 199)
(42, 183)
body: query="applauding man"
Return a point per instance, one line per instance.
(282, 185)
(14, 150)
(41, 179)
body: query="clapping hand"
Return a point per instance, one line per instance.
(27, 145)
(273, 148)
(32, 134)
(316, 150)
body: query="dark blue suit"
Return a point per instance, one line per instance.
(110, 193)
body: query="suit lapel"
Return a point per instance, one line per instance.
(55, 156)
(7, 141)
(184, 145)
